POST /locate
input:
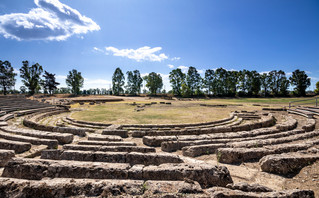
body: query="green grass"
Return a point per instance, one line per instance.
(178, 112)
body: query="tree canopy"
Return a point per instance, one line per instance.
(31, 76)
(118, 82)
(300, 80)
(177, 78)
(134, 82)
(154, 82)
(75, 81)
(49, 82)
(7, 76)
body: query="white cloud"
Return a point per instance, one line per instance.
(170, 66)
(176, 58)
(200, 71)
(314, 78)
(96, 49)
(141, 54)
(60, 77)
(183, 68)
(51, 20)
(96, 83)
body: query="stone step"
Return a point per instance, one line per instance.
(171, 146)
(122, 133)
(97, 137)
(310, 125)
(65, 187)
(63, 138)
(5, 156)
(289, 124)
(32, 140)
(34, 169)
(139, 149)
(18, 147)
(272, 141)
(238, 155)
(106, 143)
(287, 163)
(197, 150)
(112, 157)
(157, 140)
(220, 192)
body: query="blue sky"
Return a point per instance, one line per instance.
(97, 36)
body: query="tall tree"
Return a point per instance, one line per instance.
(75, 81)
(31, 76)
(265, 82)
(118, 81)
(193, 81)
(255, 87)
(137, 81)
(177, 78)
(301, 82)
(154, 82)
(134, 82)
(278, 82)
(209, 80)
(49, 82)
(7, 76)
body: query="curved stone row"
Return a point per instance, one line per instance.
(36, 141)
(289, 124)
(238, 155)
(112, 157)
(62, 138)
(287, 163)
(32, 122)
(18, 147)
(145, 126)
(140, 149)
(35, 169)
(170, 146)
(266, 121)
(193, 151)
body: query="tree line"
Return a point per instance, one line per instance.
(33, 83)
(219, 82)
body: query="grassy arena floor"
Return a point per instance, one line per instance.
(178, 112)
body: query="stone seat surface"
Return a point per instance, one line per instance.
(36, 141)
(113, 138)
(35, 169)
(139, 149)
(63, 138)
(106, 143)
(112, 157)
(18, 147)
(220, 192)
(287, 163)
(65, 187)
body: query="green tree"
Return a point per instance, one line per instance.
(265, 81)
(49, 82)
(177, 78)
(154, 82)
(31, 76)
(301, 82)
(193, 81)
(278, 83)
(134, 82)
(255, 82)
(118, 81)
(7, 76)
(317, 88)
(75, 81)
(209, 80)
